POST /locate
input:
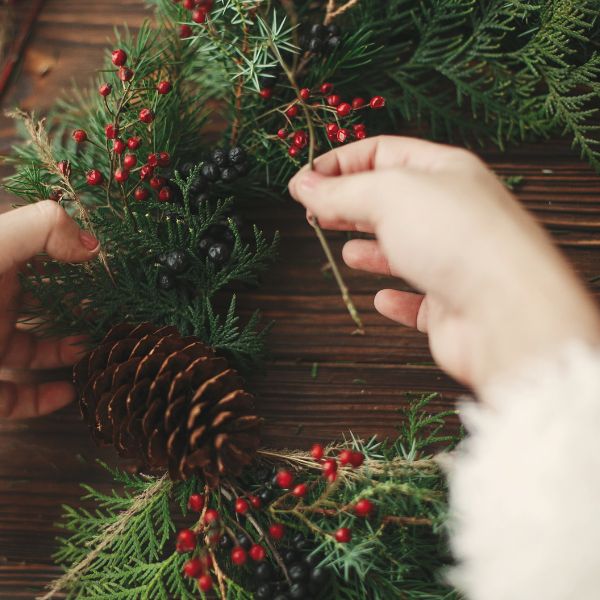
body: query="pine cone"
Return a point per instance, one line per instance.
(169, 401)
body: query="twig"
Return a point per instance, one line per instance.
(406, 521)
(106, 537)
(332, 12)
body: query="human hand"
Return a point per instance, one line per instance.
(24, 233)
(494, 289)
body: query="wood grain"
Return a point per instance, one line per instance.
(360, 382)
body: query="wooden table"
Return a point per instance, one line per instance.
(321, 380)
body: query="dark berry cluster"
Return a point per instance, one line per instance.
(173, 263)
(321, 39)
(225, 165)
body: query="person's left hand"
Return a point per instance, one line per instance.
(24, 233)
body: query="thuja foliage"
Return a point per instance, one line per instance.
(123, 547)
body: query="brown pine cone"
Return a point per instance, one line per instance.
(169, 401)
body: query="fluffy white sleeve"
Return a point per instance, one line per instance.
(525, 486)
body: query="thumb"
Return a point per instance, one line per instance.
(43, 227)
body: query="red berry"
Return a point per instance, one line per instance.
(94, 177)
(377, 102)
(146, 172)
(293, 151)
(163, 159)
(241, 506)
(186, 540)
(141, 194)
(129, 161)
(195, 501)
(238, 556)
(193, 567)
(121, 175)
(364, 508)
(152, 160)
(332, 128)
(330, 466)
(343, 135)
(211, 515)
(359, 127)
(326, 88)
(358, 103)
(284, 479)
(118, 57)
(276, 531)
(331, 477)
(165, 194)
(164, 87)
(205, 583)
(199, 15)
(133, 143)
(292, 111)
(357, 459)
(300, 490)
(265, 93)
(344, 456)
(185, 31)
(333, 100)
(119, 146)
(157, 182)
(257, 553)
(343, 535)
(344, 109)
(111, 131)
(300, 139)
(361, 134)
(189, 4)
(305, 93)
(125, 73)
(255, 501)
(80, 136)
(105, 89)
(317, 451)
(146, 115)
(282, 134)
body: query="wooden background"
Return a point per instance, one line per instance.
(360, 382)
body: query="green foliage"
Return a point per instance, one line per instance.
(125, 542)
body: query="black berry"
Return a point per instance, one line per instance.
(318, 31)
(186, 169)
(264, 572)
(198, 201)
(176, 194)
(210, 171)
(318, 575)
(166, 281)
(220, 157)
(177, 261)
(333, 42)
(334, 29)
(263, 592)
(198, 185)
(244, 541)
(225, 542)
(289, 557)
(237, 155)
(315, 45)
(298, 572)
(219, 253)
(229, 174)
(265, 496)
(298, 591)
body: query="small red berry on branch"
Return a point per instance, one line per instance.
(119, 146)
(146, 172)
(364, 508)
(80, 136)
(164, 87)
(330, 466)
(94, 177)
(377, 102)
(285, 479)
(157, 182)
(119, 57)
(205, 583)
(276, 531)
(343, 535)
(163, 158)
(241, 506)
(333, 100)
(326, 88)
(357, 459)
(266, 93)
(133, 143)
(195, 501)
(129, 161)
(344, 109)
(257, 553)
(293, 151)
(165, 194)
(282, 134)
(343, 135)
(317, 451)
(141, 194)
(193, 568)
(189, 4)
(186, 540)
(111, 131)
(199, 15)
(125, 74)
(121, 175)
(300, 139)
(211, 516)
(105, 89)
(146, 115)
(305, 93)
(152, 159)
(238, 556)
(255, 501)
(185, 31)
(292, 111)
(344, 457)
(300, 490)
(358, 103)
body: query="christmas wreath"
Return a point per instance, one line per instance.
(214, 105)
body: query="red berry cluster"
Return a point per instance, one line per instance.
(327, 105)
(200, 9)
(346, 457)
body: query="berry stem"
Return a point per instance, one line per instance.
(350, 306)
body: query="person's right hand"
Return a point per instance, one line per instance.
(495, 289)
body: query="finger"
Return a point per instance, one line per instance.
(365, 255)
(405, 308)
(341, 225)
(381, 152)
(27, 351)
(23, 401)
(43, 227)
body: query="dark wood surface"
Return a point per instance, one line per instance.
(321, 380)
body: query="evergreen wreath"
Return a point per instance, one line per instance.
(216, 104)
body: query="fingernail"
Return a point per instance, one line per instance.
(88, 240)
(309, 180)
